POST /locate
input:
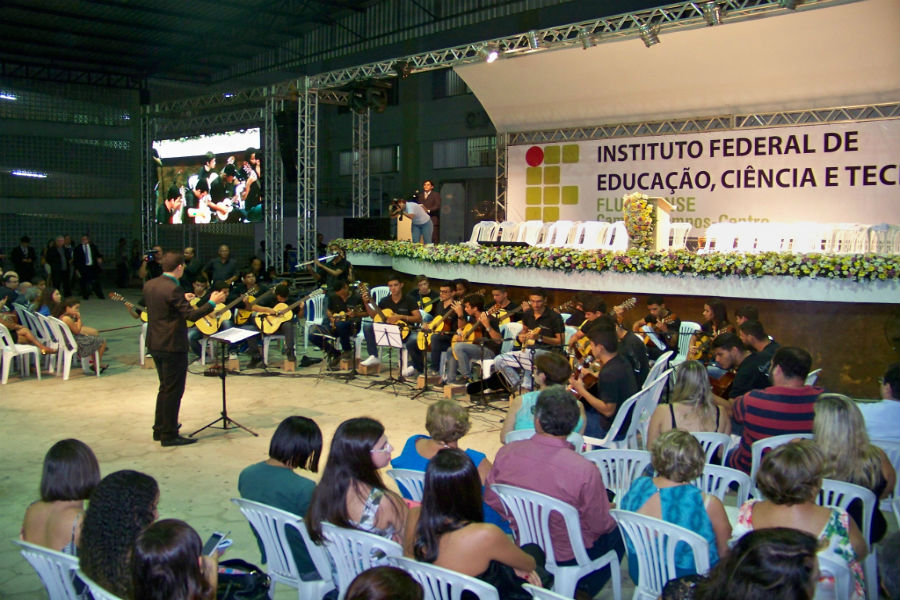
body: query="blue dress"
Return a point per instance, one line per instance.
(681, 505)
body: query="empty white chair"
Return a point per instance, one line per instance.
(812, 377)
(36, 323)
(531, 511)
(208, 348)
(271, 525)
(654, 542)
(529, 231)
(678, 235)
(711, 442)
(619, 468)
(626, 409)
(353, 551)
(658, 367)
(760, 446)
(315, 315)
(11, 351)
(508, 231)
(443, 584)
(557, 234)
(55, 569)
(616, 237)
(720, 237)
(510, 332)
(589, 235)
(483, 232)
(98, 592)
(412, 481)
(716, 481)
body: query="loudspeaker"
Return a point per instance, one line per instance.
(371, 228)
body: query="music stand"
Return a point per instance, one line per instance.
(225, 339)
(425, 358)
(388, 335)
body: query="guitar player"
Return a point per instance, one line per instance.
(664, 324)
(266, 306)
(401, 307)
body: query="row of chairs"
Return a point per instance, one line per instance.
(582, 235)
(800, 238)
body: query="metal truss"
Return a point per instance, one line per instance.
(361, 163)
(206, 123)
(273, 186)
(248, 96)
(501, 177)
(700, 124)
(147, 198)
(307, 179)
(57, 74)
(336, 97)
(671, 17)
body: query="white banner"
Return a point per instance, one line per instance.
(823, 173)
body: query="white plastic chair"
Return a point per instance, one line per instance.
(207, 348)
(353, 551)
(508, 231)
(510, 332)
(10, 351)
(658, 367)
(271, 525)
(142, 343)
(483, 232)
(590, 235)
(98, 592)
(895, 507)
(55, 569)
(68, 350)
(443, 584)
(646, 404)
(541, 593)
(685, 331)
(720, 237)
(712, 441)
(315, 315)
(267, 342)
(840, 494)
(812, 377)
(412, 481)
(529, 231)
(716, 480)
(557, 234)
(609, 440)
(678, 235)
(616, 237)
(892, 449)
(841, 574)
(574, 438)
(41, 331)
(531, 511)
(619, 468)
(654, 542)
(760, 446)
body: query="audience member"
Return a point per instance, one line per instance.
(840, 434)
(384, 583)
(48, 301)
(87, 259)
(671, 496)
(768, 564)
(20, 334)
(351, 492)
(451, 532)
(87, 338)
(8, 289)
(122, 505)
(548, 464)
(59, 259)
(23, 258)
(691, 407)
(784, 407)
(69, 476)
(882, 417)
(888, 573)
(168, 564)
(790, 478)
(296, 444)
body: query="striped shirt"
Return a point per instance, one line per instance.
(776, 410)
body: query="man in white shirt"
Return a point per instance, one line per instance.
(422, 227)
(882, 417)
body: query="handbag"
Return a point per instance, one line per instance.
(240, 580)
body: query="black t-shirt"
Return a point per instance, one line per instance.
(489, 343)
(427, 303)
(751, 374)
(451, 320)
(550, 323)
(635, 352)
(615, 384)
(336, 304)
(405, 306)
(576, 317)
(339, 263)
(510, 306)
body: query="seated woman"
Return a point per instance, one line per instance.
(450, 531)
(122, 505)
(691, 407)
(775, 564)
(87, 338)
(716, 322)
(550, 369)
(168, 562)
(47, 301)
(20, 333)
(840, 433)
(351, 492)
(790, 478)
(678, 459)
(296, 444)
(384, 583)
(70, 475)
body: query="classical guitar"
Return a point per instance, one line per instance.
(209, 324)
(721, 385)
(140, 309)
(588, 372)
(583, 344)
(269, 323)
(470, 333)
(438, 324)
(653, 331)
(382, 315)
(243, 314)
(503, 315)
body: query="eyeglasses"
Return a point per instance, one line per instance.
(386, 448)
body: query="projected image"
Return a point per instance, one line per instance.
(209, 179)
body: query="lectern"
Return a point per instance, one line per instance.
(661, 211)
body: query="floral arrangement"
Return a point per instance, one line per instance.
(857, 267)
(640, 221)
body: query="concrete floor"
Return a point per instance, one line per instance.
(113, 414)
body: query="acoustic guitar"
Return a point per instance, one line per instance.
(438, 324)
(209, 324)
(140, 309)
(243, 314)
(382, 315)
(583, 344)
(269, 323)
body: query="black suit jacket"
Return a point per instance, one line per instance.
(80, 258)
(167, 311)
(57, 263)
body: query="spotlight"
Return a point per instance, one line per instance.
(649, 35)
(712, 13)
(789, 4)
(533, 41)
(490, 53)
(403, 69)
(588, 40)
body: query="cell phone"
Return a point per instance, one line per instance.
(216, 540)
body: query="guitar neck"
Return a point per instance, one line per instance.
(235, 302)
(297, 303)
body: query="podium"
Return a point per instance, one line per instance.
(404, 229)
(661, 212)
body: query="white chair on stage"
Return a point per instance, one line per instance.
(98, 592)
(529, 231)
(353, 551)
(443, 584)
(55, 569)
(544, 233)
(557, 234)
(654, 542)
(516, 435)
(272, 525)
(531, 511)
(678, 233)
(615, 238)
(589, 235)
(483, 232)
(412, 481)
(685, 331)
(812, 377)
(716, 481)
(315, 315)
(619, 468)
(508, 231)
(11, 351)
(712, 442)
(68, 350)
(720, 237)
(840, 494)
(760, 446)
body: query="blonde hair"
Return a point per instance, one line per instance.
(840, 432)
(446, 421)
(692, 388)
(678, 456)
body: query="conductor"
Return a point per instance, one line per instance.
(167, 310)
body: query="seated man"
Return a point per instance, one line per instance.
(202, 292)
(882, 417)
(266, 306)
(449, 311)
(502, 302)
(751, 371)
(615, 383)
(344, 311)
(592, 307)
(755, 338)
(478, 336)
(547, 463)
(542, 330)
(660, 327)
(401, 309)
(424, 298)
(784, 407)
